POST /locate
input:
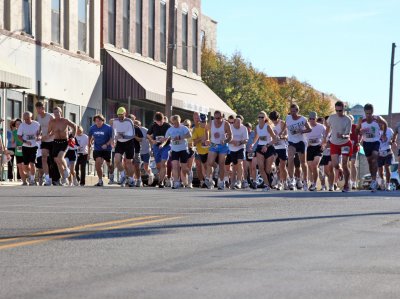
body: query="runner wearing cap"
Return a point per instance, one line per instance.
(314, 148)
(28, 133)
(370, 127)
(199, 138)
(124, 132)
(338, 126)
(101, 136)
(156, 136)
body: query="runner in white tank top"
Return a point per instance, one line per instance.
(369, 128)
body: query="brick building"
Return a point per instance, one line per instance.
(54, 47)
(134, 50)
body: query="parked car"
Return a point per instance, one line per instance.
(394, 178)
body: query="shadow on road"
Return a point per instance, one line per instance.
(164, 229)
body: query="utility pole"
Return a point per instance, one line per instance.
(170, 58)
(391, 85)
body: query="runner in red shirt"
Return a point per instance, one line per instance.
(355, 140)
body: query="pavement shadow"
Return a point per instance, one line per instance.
(308, 195)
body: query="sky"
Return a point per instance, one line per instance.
(341, 47)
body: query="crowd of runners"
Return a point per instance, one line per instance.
(283, 153)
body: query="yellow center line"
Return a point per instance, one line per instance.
(80, 227)
(72, 235)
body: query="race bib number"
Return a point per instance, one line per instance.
(159, 138)
(369, 135)
(120, 135)
(250, 155)
(345, 150)
(30, 137)
(176, 142)
(263, 138)
(313, 141)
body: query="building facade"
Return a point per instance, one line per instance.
(56, 44)
(134, 52)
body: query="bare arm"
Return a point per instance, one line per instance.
(308, 128)
(228, 132)
(73, 126)
(272, 134)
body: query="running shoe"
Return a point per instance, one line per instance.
(312, 187)
(266, 188)
(374, 186)
(150, 180)
(99, 184)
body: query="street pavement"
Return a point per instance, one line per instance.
(111, 242)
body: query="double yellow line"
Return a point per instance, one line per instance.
(81, 230)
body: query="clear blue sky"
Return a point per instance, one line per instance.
(341, 47)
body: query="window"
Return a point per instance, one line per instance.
(195, 44)
(185, 41)
(139, 22)
(27, 16)
(82, 25)
(72, 117)
(151, 28)
(126, 23)
(163, 31)
(55, 21)
(14, 109)
(111, 22)
(29, 103)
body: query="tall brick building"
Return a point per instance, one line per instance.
(134, 50)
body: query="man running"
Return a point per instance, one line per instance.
(46, 145)
(156, 134)
(58, 129)
(219, 134)
(339, 127)
(297, 126)
(83, 154)
(124, 132)
(369, 127)
(101, 135)
(145, 153)
(28, 133)
(136, 158)
(314, 148)
(198, 130)
(385, 158)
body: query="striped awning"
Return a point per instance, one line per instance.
(11, 77)
(189, 94)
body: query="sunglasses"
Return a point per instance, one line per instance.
(339, 110)
(217, 118)
(311, 118)
(261, 117)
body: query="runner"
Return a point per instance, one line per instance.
(156, 134)
(355, 140)
(385, 157)
(297, 126)
(124, 132)
(188, 124)
(39, 164)
(136, 158)
(279, 128)
(58, 129)
(236, 154)
(178, 135)
(369, 127)
(228, 163)
(18, 152)
(199, 138)
(70, 157)
(396, 142)
(28, 133)
(197, 159)
(46, 141)
(101, 135)
(219, 134)
(145, 153)
(265, 151)
(326, 163)
(83, 153)
(314, 148)
(339, 128)
(250, 164)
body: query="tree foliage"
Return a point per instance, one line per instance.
(248, 91)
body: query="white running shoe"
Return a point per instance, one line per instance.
(323, 188)
(305, 186)
(312, 187)
(374, 186)
(299, 184)
(208, 183)
(150, 180)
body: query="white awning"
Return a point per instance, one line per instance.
(189, 94)
(11, 77)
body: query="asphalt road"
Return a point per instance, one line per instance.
(110, 242)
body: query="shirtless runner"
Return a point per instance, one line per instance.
(58, 128)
